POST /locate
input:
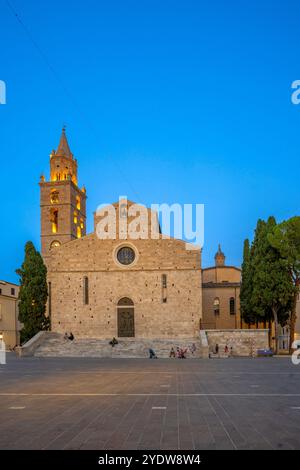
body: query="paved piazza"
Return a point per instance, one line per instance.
(52, 403)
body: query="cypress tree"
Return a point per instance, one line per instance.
(33, 293)
(286, 239)
(272, 289)
(246, 286)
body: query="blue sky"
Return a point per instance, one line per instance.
(164, 101)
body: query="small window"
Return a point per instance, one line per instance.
(164, 281)
(0, 291)
(217, 306)
(85, 290)
(78, 203)
(75, 217)
(54, 220)
(13, 291)
(232, 306)
(54, 196)
(78, 232)
(55, 244)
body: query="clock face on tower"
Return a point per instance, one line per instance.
(126, 255)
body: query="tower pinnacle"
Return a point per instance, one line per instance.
(219, 257)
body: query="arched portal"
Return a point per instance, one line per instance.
(125, 313)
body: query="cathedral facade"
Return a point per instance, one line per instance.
(114, 287)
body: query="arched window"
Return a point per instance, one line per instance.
(55, 244)
(81, 224)
(125, 301)
(217, 306)
(54, 196)
(78, 203)
(78, 232)
(54, 220)
(75, 217)
(232, 306)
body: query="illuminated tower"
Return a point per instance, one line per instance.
(62, 202)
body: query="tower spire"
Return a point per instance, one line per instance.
(220, 257)
(63, 149)
(63, 166)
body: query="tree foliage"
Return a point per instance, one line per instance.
(266, 290)
(285, 238)
(33, 293)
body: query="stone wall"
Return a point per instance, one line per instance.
(225, 320)
(243, 342)
(178, 317)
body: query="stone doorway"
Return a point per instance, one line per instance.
(125, 311)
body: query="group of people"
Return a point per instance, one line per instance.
(227, 351)
(180, 353)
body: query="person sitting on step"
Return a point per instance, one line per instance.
(113, 342)
(152, 354)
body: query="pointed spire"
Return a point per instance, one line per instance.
(63, 149)
(220, 257)
(220, 252)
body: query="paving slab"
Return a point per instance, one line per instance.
(94, 403)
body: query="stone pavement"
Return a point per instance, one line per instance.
(71, 403)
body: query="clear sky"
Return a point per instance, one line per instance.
(164, 101)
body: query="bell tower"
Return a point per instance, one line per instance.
(62, 202)
(219, 258)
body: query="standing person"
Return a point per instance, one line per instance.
(183, 353)
(217, 348)
(193, 349)
(226, 349)
(172, 352)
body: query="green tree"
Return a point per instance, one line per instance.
(286, 239)
(246, 286)
(33, 293)
(272, 289)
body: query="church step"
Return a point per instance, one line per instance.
(56, 345)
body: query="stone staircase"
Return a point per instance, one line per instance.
(54, 345)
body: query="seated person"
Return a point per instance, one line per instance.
(152, 354)
(113, 342)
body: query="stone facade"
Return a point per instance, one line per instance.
(221, 295)
(243, 342)
(9, 312)
(173, 313)
(160, 289)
